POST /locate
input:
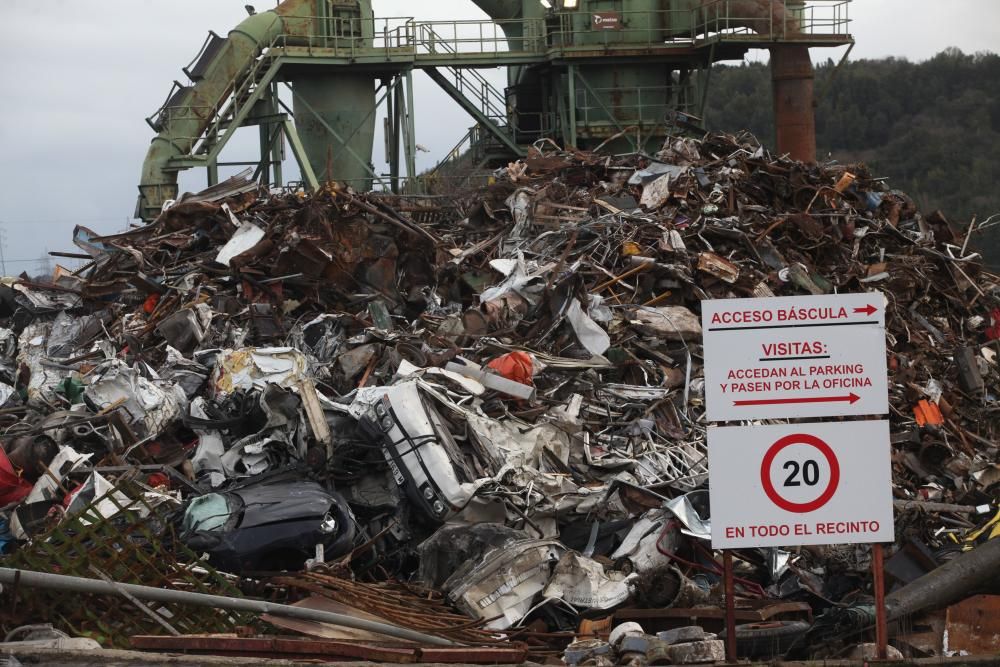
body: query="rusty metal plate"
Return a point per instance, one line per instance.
(973, 625)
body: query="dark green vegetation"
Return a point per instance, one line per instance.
(932, 128)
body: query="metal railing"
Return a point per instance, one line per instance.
(464, 150)
(352, 37)
(644, 104)
(633, 28)
(819, 18)
(473, 147)
(437, 38)
(473, 84)
(238, 88)
(231, 105)
(476, 144)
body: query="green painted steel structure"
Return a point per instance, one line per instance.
(580, 73)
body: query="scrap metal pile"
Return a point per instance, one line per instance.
(491, 401)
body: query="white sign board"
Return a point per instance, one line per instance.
(797, 356)
(790, 484)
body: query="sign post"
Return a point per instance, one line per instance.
(878, 582)
(801, 483)
(729, 587)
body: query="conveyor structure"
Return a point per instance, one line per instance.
(580, 72)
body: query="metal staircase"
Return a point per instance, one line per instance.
(470, 89)
(469, 158)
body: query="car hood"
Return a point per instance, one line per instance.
(276, 503)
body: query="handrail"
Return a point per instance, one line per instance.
(465, 148)
(473, 141)
(229, 103)
(819, 17)
(638, 109)
(459, 149)
(493, 103)
(474, 37)
(635, 27)
(234, 101)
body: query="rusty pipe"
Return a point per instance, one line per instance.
(792, 83)
(764, 17)
(953, 581)
(792, 75)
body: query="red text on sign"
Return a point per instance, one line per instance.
(803, 529)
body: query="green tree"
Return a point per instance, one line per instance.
(932, 128)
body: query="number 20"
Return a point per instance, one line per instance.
(810, 473)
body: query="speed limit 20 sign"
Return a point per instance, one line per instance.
(820, 483)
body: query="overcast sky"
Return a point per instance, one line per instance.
(79, 76)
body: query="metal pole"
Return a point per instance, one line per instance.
(945, 585)
(881, 627)
(305, 167)
(730, 590)
(276, 139)
(571, 133)
(213, 172)
(396, 129)
(264, 166)
(411, 130)
(93, 586)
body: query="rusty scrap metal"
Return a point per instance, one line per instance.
(397, 604)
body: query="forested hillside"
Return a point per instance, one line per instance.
(933, 128)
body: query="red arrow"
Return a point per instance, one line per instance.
(850, 398)
(867, 310)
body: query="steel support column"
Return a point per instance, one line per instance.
(571, 109)
(392, 129)
(411, 130)
(212, 170)
(277, 143)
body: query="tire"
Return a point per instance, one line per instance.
(769, 639)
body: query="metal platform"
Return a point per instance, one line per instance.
(389, 49)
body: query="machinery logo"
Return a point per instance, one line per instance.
(607, 21)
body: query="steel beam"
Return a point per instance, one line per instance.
(411, 129)
(299, 151)
(571, 135)
(395, 128)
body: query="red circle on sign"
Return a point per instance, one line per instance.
(800, 439)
